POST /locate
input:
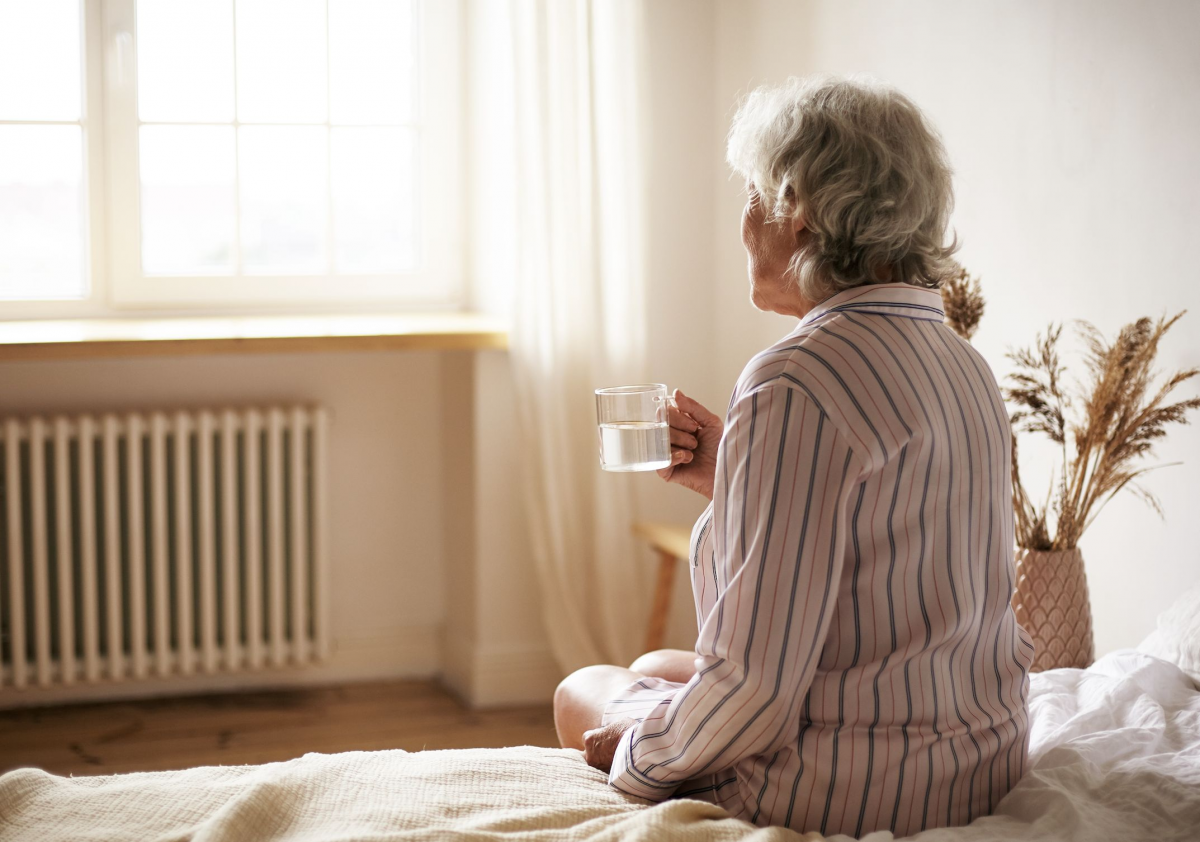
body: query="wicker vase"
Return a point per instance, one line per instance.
(1051, 603)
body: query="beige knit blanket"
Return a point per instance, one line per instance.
(1114, 756)
(477, 794)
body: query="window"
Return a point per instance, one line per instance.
(245, 153)
(43, 216)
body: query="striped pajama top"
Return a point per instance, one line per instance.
(858, 666)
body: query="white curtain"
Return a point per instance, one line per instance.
(579, 309)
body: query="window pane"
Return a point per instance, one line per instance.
(187, 199)
(281, 61)
(374, 200)
(282, 170)
(185, 60)
(371, 60)
(39, 60)
(41, 212)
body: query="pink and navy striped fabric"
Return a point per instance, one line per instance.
(858, 664)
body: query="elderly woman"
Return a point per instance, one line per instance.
(858, 666)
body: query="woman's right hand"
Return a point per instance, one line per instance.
(695, 436)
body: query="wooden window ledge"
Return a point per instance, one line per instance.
(94, 338)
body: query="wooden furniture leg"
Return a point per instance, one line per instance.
(662, 601)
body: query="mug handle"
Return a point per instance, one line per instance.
(663, 404)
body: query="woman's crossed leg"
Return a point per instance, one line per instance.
(580, 699)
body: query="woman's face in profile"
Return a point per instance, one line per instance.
(770, 244)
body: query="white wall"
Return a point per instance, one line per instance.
(386, 491)
(1074, 129)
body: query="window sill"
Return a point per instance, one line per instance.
(105, 338)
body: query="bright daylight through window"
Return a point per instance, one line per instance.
(257, 159)
(254, 151)
(42, 198)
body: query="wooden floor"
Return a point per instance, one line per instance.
(249, 728)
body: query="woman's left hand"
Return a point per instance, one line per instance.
(600, 744)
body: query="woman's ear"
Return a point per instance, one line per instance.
(800, 228)
(798, 220)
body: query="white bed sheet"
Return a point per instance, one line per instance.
(1114, 755)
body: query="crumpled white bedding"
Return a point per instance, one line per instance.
(1115, 755)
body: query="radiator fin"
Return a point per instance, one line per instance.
(154, 544)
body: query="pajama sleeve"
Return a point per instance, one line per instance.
(784, 476)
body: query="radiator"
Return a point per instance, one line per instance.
(161, 544)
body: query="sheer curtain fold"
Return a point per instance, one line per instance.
(579, 309)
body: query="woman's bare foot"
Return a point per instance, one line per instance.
(580, 700)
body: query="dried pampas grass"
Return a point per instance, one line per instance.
(962, 302)
(1104, 445)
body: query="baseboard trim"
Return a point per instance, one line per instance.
(487, 677)
(406, 652)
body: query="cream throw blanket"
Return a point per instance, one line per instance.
(1114, 751)
(476, 794)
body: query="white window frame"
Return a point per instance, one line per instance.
(116, 283)
(91, 118)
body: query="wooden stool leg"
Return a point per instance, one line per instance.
(662, 601)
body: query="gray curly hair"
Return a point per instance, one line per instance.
(866, 169)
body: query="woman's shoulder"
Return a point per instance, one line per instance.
(797, 361)
(835, 367)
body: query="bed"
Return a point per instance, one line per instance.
(1115, 755)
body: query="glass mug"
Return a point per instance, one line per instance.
(634, 433)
